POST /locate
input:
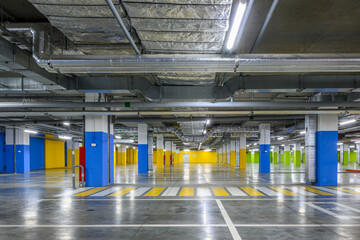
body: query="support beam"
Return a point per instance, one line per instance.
(143, 148)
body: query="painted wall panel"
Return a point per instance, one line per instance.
(37, 153)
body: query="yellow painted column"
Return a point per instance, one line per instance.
(232, 154)
(160, 151)
(123, 155)
(136, 156)
(242, 160)
(118, 155)
(167, 153)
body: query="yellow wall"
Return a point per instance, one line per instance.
(232, 158)
(54, 153)
(200, 156)
(242, 158)
(69, 157)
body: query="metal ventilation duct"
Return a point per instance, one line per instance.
(193, 128)
(85, 21)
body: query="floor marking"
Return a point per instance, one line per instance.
(268, 191)
(106, 192)
(187, 192)
(121, 192)
(251, 191)
(333, 191)
(284, 191)
(69, 193)
(317, 191)
(235, 234)
(236, 191)
(154, 192)
(345, 190)
(220, 192)
(138, 192)
(301, 191)
(354, 188)
(91, 191)
(312, 204)
(203, 192)
(171, 192)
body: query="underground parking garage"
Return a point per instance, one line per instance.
(169, 119)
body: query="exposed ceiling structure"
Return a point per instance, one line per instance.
(168, 65)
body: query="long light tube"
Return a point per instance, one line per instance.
(240, 11)
(347, 122)
(30, 131)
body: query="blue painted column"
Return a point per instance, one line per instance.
(99, 170)
(142, 148)
(326, 150)
(264, 148)
(22, 151)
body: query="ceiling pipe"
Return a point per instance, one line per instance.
(122, 25)
(166, 113)
(154, 63)
(213, 119)
(149, 105)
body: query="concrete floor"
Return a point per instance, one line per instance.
(196, 201)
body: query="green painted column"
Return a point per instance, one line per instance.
(282, 157)
(346, 154)
(287, 155)
(303, 157)
(248, 157)
(257, 156)
(297, 155)
(352, 156)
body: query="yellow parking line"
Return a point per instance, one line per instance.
(122, 192)
(309, 189)
(284, 191)
(154, 192)
(252, 191)
(345, 190)
(187, 192)
(91, 191)
(220, 192)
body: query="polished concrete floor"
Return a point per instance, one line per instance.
(196, 201)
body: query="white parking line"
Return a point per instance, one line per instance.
(236, 191)
(72, 192)
(106, 192)
(301, 191)
(171, 192)
(138, 192)
(203, 192)
(268, 191)
(235, 234)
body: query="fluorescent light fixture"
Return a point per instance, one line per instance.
(247, 145)
(283, 145)
(118, 145)
(240, 11)
(351, 146)
(66, 123)
(340, 143)
(357, 142)
(208, 121)
(207, 150)
(280, 138)
(204, 131)
(302, 147)
(347, 122)
(132, 141)
(255, 144)
(186, 150)
(64, 137)
(117, 137)
(153, 146)
(30, 131)
(302, 132)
